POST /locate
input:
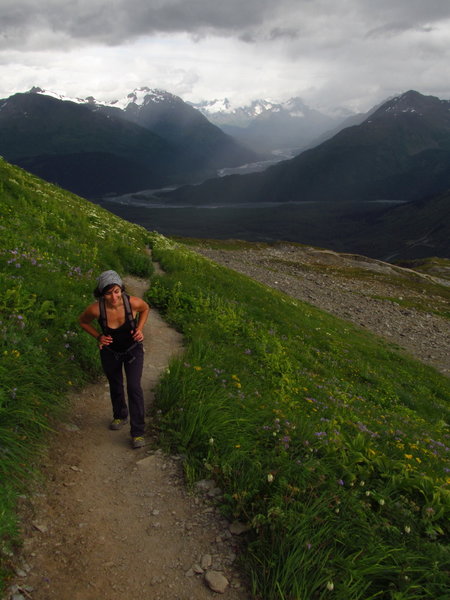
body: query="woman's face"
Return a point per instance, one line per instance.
(113, 296)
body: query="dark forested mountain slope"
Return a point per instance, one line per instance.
(86, 152)
(93, 149)
(204, 144)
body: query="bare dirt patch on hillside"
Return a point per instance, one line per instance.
(367, 292)
(112, 523)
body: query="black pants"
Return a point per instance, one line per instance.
(132, 362)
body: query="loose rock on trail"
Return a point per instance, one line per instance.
(112, 523)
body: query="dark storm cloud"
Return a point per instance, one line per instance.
(117, 21)
(121, 20)
(349, 52)
(412, 11)
(392, 18)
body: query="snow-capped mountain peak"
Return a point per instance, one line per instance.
(56, 95)
(138, 97)
(64, 98)
(414, 103)
(268, 124)
(142, 96)
(208, 107)
(218, 110)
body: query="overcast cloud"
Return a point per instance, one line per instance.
(351, 53)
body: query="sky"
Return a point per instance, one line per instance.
(349, 54)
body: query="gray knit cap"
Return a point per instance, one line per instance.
(108, 278)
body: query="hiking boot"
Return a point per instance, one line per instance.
(118, 423)
(137, 442)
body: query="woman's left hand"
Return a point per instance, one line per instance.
(138, 336)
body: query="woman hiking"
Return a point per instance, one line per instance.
(121, 319)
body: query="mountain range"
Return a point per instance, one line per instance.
(270, 126)
(401, 152)
(150, 139)
(380, 188)
(378, 184)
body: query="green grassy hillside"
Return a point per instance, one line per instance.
(331, 445)
(52, 247)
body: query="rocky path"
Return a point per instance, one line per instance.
(112, 523)
(313, 275)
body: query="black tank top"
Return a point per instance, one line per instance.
(122, 338)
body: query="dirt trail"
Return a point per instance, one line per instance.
(114, 523)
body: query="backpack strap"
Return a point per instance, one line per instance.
(128, 313)
(102, 318)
